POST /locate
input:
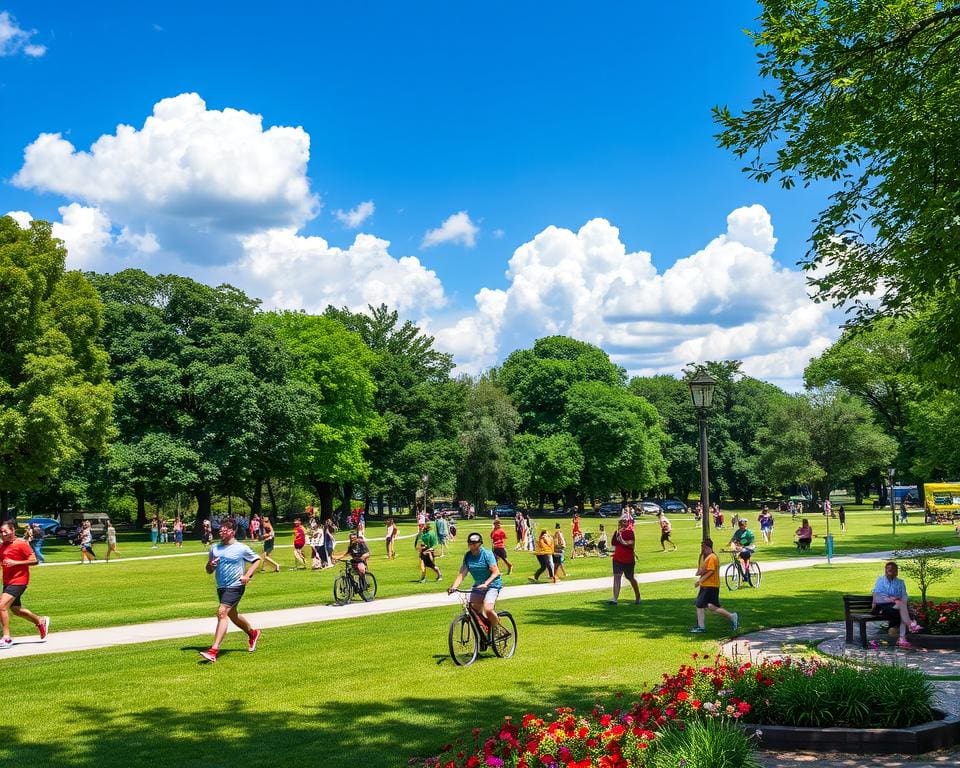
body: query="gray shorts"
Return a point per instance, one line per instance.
(625, 569)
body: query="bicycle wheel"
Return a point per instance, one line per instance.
(370, 591)
(464, 643)
(732, 577)
(755, 575)
(505, 638)
(342, 590)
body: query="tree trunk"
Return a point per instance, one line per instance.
(380, 503)
(325, 491)
(4, 503)
(203, 506)
(138, 491)
(345, 500)
(858, 490)
(273, 500)
(256, 503)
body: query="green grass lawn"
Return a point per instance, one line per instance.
(374, 691)
(80, 597)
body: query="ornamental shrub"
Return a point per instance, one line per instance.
(939, 618)
(702, 744)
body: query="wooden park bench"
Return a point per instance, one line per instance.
(856, 608)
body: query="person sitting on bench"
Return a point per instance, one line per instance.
(890, 602)
(804, 535)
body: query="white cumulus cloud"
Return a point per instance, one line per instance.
(14, 39)
(457, 229)
(730, 299)
(290, 271)
(357, 215)
(197, 178)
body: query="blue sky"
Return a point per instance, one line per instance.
(514, 123)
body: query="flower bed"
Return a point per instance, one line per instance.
(941, 625)
(704, 707)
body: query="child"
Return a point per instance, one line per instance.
(602, 543)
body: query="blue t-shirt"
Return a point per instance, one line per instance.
(890, 589)
(233, 558)
(480, 566)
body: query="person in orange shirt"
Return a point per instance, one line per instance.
(16, 557)
(708, 581)
(498, 539)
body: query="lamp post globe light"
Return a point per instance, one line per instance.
(702, 387)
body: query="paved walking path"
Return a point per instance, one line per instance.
(86, 639)
(830, 638)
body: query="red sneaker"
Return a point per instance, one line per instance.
(44, 627)
(209, 655)
(252, 640)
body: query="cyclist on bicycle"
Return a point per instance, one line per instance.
(742, 541)
(480, 563)
(359, 553)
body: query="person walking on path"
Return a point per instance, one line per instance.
(35, 540)
(544, 553)
(178, 532)
(315, 540)
(330, 538)
(86, 543)
(442, 528)
(269, 539)
(390, 532)
(206, 535)
(708, 582)
(299, 542)
(665, 529)
(624, 559)
(559, 545)
(498, 540)
(842, 517)
(154, 533)
(226, 560)
(16, 557)
(111, 541)
(576, 532)
(426, 545)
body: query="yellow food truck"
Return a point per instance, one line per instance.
(941, 502)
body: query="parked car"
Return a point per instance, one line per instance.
(503, 510)
(98, 525)
(48, 525)
(648, 507)
(610, 509)
(450, 508)
(672, 505)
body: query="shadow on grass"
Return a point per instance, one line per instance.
(232, 734)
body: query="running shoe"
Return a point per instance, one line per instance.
(44, 627)
(735, 621)
(209, 655)
(698, 630)
(252, 640)
(611, 602)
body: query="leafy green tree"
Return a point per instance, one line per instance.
(541, 466)
(540, 378)
(55, 400)
(489, 424)
(824, 438)
(335, 368)
(925, 561)
(865, 97)
(419, 403)
(620, 436)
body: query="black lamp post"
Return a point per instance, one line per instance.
(702, 387)
(892, 474)
(425, 478)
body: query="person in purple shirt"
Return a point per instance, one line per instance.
(227, 560)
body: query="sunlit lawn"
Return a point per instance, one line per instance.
(368, 692)
(124, 592)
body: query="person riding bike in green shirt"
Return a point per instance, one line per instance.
(743, 542)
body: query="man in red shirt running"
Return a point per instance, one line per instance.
(16, 557)
(498, 540)
(299, 542)
(624, 559)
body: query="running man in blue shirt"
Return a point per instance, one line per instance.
(227, 560)
(480, 563)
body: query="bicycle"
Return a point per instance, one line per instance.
(734, 576)
(347, 584)
(470, 633)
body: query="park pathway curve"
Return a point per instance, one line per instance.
(88, 639)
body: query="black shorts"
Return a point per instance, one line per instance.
(268, 546)
(888, 611)
(230, 595)
(665, 537)
(624, 568)
(708, 596)
(427, 558)
(17, 591)
(500, 552)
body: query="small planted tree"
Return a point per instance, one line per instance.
(926, 562)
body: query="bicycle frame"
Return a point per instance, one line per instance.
(483, 627)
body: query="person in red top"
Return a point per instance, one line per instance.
(624, 559)
(498, 540)
(299, 542)
(16, 557)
